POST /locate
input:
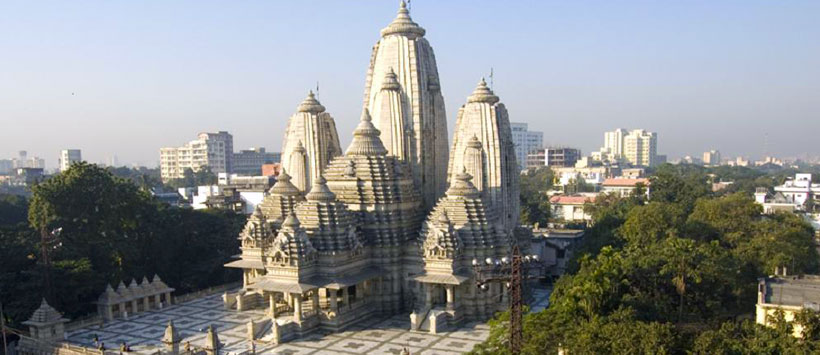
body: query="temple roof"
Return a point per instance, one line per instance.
(403, 24)
(464, 210)
(366, 139)
(328, 223)
(282, 198)
(45, 315)
(293, 243)
(310, 104)
(482, 93)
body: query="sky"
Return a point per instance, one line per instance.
(125, 78)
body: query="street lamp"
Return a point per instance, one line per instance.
(512, 270)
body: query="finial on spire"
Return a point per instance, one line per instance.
(311, 104)
(483, 94)
(403, 24)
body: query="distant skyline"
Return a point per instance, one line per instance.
(126, 78)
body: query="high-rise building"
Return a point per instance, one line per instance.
(68, 157)
(553, 157)
(525, 141)
(637, 147)
(711, 158)
(214, 150)
(249, 161)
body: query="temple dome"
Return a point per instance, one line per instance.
(403, 24)
(292, 246)
(328, 223)
(482, 93)
(311, 104)
(281, 200)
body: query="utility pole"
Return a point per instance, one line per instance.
(516, 328)
(512, 271)
(3, 328)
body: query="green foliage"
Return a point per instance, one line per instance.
(663, 276)
(535, 207)
(144, 178)
(112, 231)
(191, 178)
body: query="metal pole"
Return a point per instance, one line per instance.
(515, 302)
(3, 327)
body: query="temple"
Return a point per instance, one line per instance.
(371, 232)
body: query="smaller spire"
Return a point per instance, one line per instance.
(299, 147)
(366, 140)
(482, 93)
(283, 186)
(474, 142)
(291, 222)
(320, 192)
(462, 186)
(391, 82)
(310, 104)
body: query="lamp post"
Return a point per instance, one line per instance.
(47, 243)
(512, 270)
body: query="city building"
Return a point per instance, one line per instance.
(525, 141)
(553, 157)
(556, 246)
(570, 208)
(271, 169)
(249, 162)
(6, 166)
(789, 294)
(68, 157)
(24, 161)
(624, 186)
(800, 190)
(711, 158)
(775, 203)
(214, 150)
(636, 147)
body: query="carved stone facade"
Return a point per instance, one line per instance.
(341, 237)
(483, 145)
(310, 143)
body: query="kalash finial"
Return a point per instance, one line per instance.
(310, 104)
(482, 93)
(403, 24)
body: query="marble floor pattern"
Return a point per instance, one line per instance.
(143, 332)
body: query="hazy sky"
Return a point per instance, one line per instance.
(128, 77)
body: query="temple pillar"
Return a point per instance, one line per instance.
(168, 298)
(334, 303)
(134, 307)
(450, 297)
(157, 301)
(272, 300)
(297, 309)
(316, 301)
(244, 277)
(146, 303)
(428, 299)
(346, 297)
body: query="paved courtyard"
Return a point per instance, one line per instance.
(144, 331)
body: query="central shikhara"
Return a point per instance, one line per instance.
(392, 224)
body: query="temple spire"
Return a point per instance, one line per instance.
(366, 139)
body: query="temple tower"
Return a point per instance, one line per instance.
(461, 227)
(483, 147)
(379, 188)
(403, 94)
(310, 143)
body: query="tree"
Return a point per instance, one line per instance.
(535, 206)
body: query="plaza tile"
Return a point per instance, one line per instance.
(415, 339)
(379, 335)
(393, 349)
(452, 344)
(353, 345)
(438, 352)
